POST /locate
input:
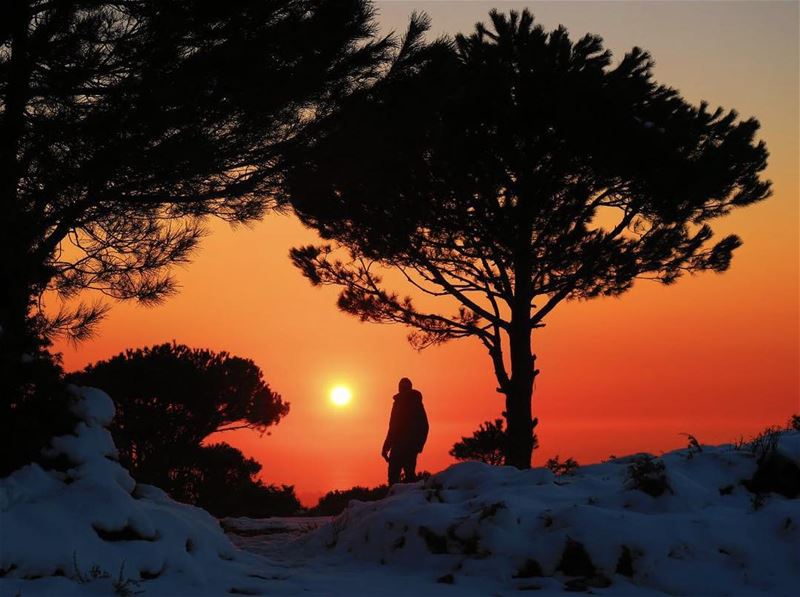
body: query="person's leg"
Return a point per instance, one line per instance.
(395, 464)
(410, 467)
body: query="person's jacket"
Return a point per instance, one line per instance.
(408, 424)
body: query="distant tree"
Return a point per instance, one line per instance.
(124, 124)
(334, 502)
(169, 399)
(510, 171)
(487, 444)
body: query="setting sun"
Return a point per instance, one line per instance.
(340, 395)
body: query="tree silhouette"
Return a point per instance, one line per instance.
(169, 399)
(487, 444)
(173, 395)
(511, 171)
(124, 124)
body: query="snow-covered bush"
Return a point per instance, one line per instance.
(648, 474)
(776, 472)
(765, 444)
(92, 528)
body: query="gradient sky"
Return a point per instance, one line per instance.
(714, 355)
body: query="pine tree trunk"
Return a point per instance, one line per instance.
(16, 340)
(519, 394)
(14, 291)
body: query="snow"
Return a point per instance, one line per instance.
(474, 522)
(471, 529)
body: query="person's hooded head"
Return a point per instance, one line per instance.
(404, 385)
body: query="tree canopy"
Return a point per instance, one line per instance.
(124, 124)
(173, 395)
(509, 170)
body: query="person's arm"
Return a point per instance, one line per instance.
(387, 443)
(424, 427)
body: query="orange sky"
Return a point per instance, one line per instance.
(714, 355)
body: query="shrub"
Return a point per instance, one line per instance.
(648, 474)
(693, 446)
(559, 468)
(776, 473)
(334, 502)
(765, 444)
(487, 444)
(220, 479)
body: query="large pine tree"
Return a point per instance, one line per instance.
(124, 123)
(511, 171)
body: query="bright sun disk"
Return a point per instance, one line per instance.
(340, 395)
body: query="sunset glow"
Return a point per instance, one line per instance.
(712, 355)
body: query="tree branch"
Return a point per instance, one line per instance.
(463, 299)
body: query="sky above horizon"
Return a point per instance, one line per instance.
(714, 355)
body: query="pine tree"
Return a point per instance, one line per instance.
(123, 125)
(507, 172)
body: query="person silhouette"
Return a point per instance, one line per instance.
(408, 431)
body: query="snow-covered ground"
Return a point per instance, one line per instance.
(469, 530)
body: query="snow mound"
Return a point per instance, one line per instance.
(93, 530)
(684, 524)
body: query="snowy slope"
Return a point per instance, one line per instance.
(705, 535)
